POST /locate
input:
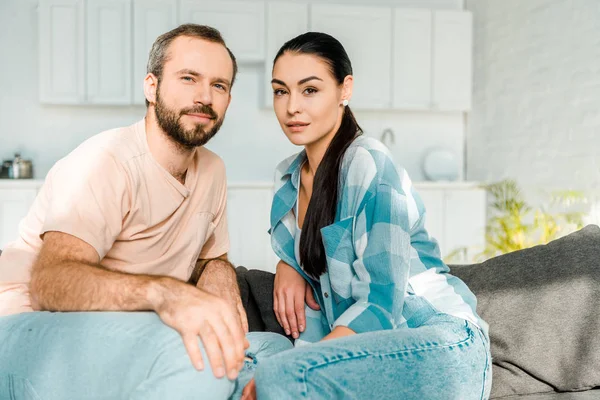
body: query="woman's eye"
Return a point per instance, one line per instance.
(310, 90)
(278, 92)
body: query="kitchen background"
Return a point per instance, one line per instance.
(499, 89)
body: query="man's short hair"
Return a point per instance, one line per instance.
(158, 53)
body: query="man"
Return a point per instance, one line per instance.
(125, 223)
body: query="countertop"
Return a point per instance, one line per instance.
(427, 185)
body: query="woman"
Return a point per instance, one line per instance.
(349, 230)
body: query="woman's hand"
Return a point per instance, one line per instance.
(339, 332)
(249, 392)
(289, 295)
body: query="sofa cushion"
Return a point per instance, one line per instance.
(543, 308)
(586, 395)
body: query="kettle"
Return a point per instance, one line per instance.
(17, 168)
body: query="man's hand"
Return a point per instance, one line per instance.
(289, 295)
(192, 313)
(219, 278)
(249, 392)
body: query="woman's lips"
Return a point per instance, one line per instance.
(297, 126)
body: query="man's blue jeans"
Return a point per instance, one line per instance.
(110, 355)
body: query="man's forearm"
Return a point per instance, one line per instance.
(220, 279)
(218, 262)
(218, 272)
(76, 286)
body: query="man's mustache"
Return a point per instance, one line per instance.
(200, 110)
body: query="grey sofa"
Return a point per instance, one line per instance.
(543, 308)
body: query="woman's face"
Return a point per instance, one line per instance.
(306, 98)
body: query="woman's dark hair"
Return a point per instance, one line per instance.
(323, 203)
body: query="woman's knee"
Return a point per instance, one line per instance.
(266, 344)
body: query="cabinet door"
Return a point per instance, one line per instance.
(452, 60)
(366, 34)
(465, 222)
(248, 211)
(412, 59)
(109, 56)
(151, 18)
(242, 24)
(61, 51)
(434, 201)
(14, 205)
(285, 21)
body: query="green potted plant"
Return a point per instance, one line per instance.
(514, 224)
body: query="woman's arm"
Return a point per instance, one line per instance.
(382, 244)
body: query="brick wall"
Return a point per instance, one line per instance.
(536, 114)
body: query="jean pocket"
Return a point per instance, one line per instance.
(16, 388)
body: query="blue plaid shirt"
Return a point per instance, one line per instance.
(383, 268)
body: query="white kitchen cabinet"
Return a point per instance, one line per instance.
(242, 24)
(456, 217)
(16, 197)
(452, 60)
(151, 18)
(248, 215)
(432, 67)
(434, 201)
(109, 55)
(412, 59)
(61, 51)
(85, 51)
(366, 34)
(465, 217)
(284, 22)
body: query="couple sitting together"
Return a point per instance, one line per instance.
(119, 287)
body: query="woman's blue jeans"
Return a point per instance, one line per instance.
(443, 358)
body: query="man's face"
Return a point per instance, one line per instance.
(193, 93)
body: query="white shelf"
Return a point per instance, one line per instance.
(21, 183)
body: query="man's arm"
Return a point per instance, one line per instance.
(67, 277)
(217, 276)
(201, 266)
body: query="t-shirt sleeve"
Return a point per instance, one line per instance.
(218, 243)
(88, 199)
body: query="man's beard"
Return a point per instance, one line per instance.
(170, 122)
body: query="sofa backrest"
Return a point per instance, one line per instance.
(543, 308)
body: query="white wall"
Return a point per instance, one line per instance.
(250, 141)
(536, 114)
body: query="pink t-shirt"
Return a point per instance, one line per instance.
(111, 193)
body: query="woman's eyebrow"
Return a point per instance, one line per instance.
(310, 78)
(300, 82)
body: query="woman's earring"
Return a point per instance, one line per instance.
(345, 102)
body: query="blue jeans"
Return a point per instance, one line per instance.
(442, 357)
(110, 355)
